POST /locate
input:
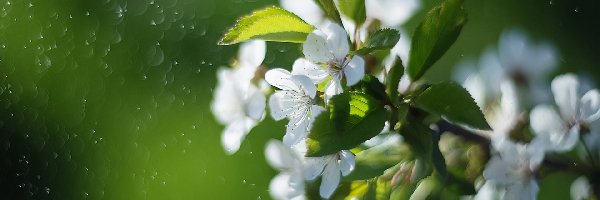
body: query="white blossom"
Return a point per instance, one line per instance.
(580, 189)
(561, 132)
(329, 167)
(289, 183)
(326, 52)
(294, 101)
(237, 102)
(513, 169)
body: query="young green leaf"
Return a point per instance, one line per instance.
(270, 24)
(392, 81)
(434, 36)
(363, 120)
(380, 40)
(452, 102)
(354, 9)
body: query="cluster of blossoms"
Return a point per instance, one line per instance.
(506, 83)
(509, 81)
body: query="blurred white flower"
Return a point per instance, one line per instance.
(517, 59)
(504, 117)
(289, 183)
(561, 132)
(391, 12)
(580, 189)
(329, 167)
(481, 78)
(513, 169)
(307, 10)
(527, 63)
(294, 101)
(237, 102)
(329, 47)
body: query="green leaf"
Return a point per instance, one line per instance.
(392, 81)
(355, 10)
(435, 35)
(459, 186)
(380, 40)
(363, 120)
(454, 103)
(370, 85)
(330, 10)
(373, 162)
(270, 24)
(439, 162)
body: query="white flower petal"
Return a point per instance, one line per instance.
(278, 106)
(523, 191)
(590, 106)
(580, 189)
(337, 40)
(281, 79)
(315, 72)
(330, 179)
(234, 134)
(511, 47)
(313, 166)
(296, 132)
(278, 155)
(545, 121)
(306, 84)
(285, 186)
(252, 53)
(347, 162)
(227, 104)
(315, 48)
(354, 71)
(333, 87)
(565, 89)
(566, 141)
(255, 105)
(499, 171)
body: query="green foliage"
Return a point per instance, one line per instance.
(439, 163)
(434, 36)
(454, 103)
(330, 10)
(362, 119)
(392, 81)
(373, 162)
(270, 24)
(355, 10)
(370, 85)
(380, 40)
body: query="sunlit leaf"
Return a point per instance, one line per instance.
(270, 24)
(364, 118)
(434, 36)
(454, 103)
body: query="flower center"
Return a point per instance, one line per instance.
(335, 66)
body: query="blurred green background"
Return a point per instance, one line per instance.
(110, 98)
